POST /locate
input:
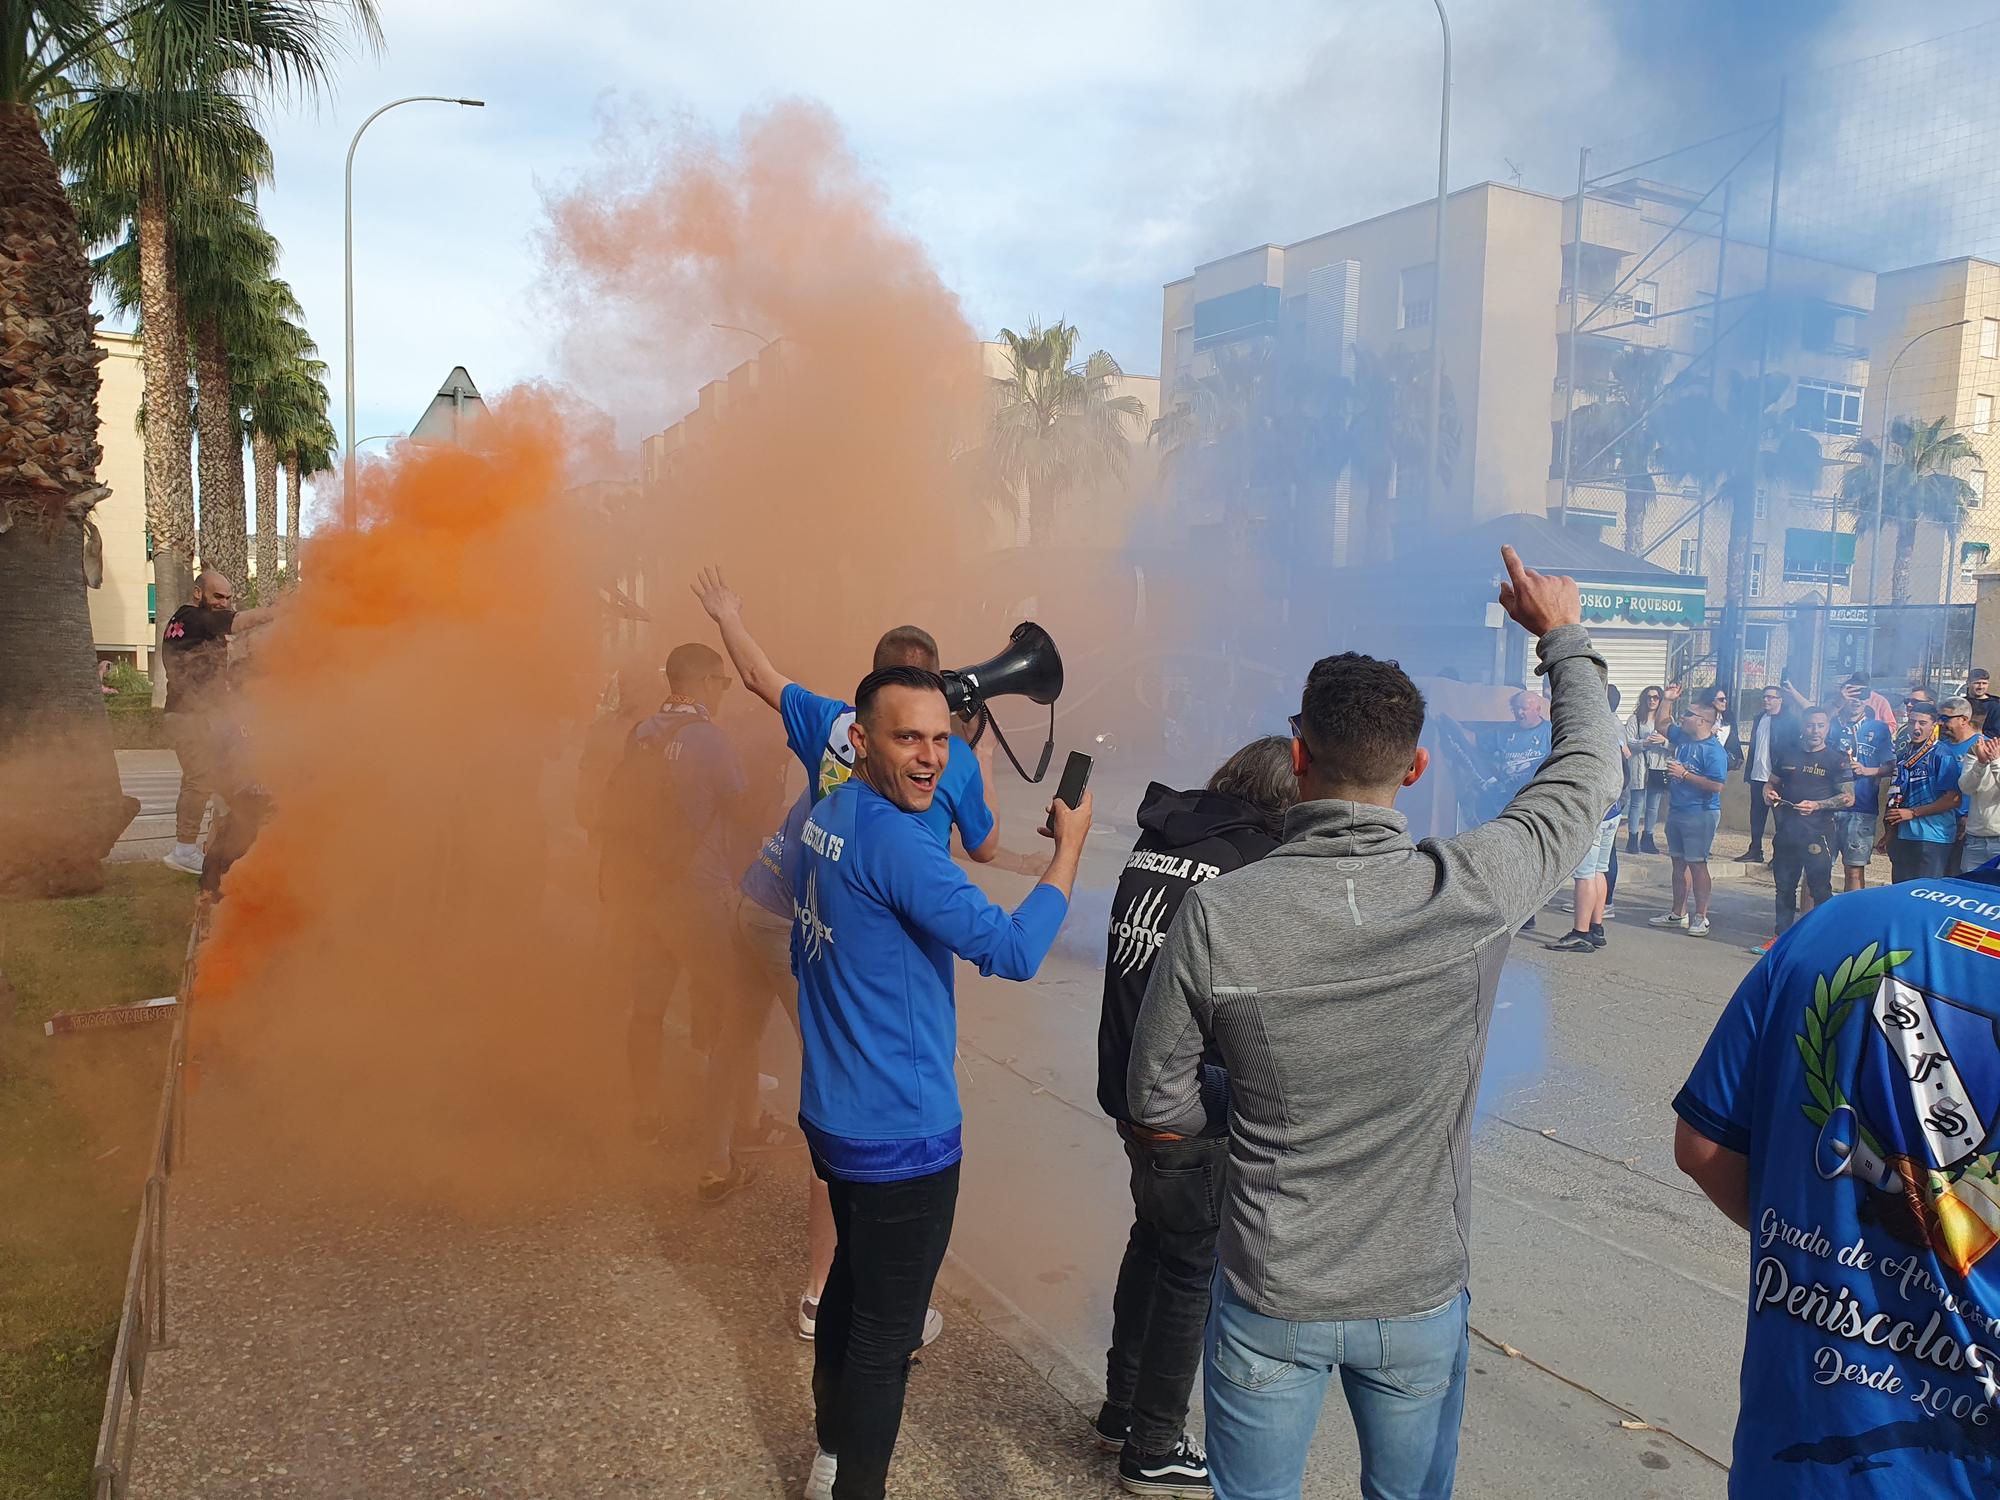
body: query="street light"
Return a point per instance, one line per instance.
(1437, 275)
(1882, 484)
(348, 499)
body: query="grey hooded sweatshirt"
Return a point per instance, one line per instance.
(1347, 980)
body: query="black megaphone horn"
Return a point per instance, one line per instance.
(1030, 668)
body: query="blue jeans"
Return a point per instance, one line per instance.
(1265, 1379)
(1647, 806)
(1978, 849)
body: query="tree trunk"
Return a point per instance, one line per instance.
(264, 469)
(1899, 576)
(292, 480)
(224, 545)
(60, 805)
(1041, 514)
(1638, 504)
(169, 478)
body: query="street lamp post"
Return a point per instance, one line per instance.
(1437, 276)
(1882, 484)
(348, 499)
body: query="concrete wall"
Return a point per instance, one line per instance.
(118, 610)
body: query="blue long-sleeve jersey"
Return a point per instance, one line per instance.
(881, 911)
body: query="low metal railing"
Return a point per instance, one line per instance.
(142, 1319)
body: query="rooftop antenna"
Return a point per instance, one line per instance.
(1513, 171)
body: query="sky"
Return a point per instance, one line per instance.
(1058, 161)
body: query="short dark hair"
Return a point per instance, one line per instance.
(1818, 712)
(688, 663)
(1260, 774)
(906, 646)
(1361, 719)
(888, 677)
(1858, 679)
(1920, 706)
(1979, 674)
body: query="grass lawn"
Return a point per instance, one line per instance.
(76, 1124)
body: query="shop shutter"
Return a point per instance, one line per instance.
(1637, 659)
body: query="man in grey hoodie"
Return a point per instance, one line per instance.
(1347, 981)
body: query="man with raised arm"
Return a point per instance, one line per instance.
(1347, 981)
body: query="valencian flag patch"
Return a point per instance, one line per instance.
(1981, 940)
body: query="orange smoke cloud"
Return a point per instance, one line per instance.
(403, 975)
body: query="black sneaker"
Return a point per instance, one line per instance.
(1573, 942)
(1597, 937)
(1751, 856)
(1647, 846)
(1112, 1423)
(1182, 1472)
(1528, 926)
(715, 1187)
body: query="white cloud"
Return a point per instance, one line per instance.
(1058, 159)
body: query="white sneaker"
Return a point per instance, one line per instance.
(1698, 926)
(808, 1318)
(819, 1483)
(185, 857)
(1667, 919)
(933, 1326)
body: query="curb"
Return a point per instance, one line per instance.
(999, 1315)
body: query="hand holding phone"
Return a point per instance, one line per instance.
(1070, 790)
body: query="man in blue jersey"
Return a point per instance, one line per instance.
(1695, 778)
(1846, 1112)
(672, 826)
(1921, 825)
(816, 727)
(881, 913)
(1866, 742)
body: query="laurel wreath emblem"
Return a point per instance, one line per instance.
(1834, 996)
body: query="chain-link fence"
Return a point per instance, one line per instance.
(1766, 310)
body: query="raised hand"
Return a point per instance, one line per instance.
(716, 597)
(1538, 602)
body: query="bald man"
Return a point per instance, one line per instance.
(195, 653)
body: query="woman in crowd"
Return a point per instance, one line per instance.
(1645, 773)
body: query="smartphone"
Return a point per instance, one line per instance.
(1075, 777)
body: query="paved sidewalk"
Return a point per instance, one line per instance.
(638, 1345)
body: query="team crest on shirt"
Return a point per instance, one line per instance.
(1915, 1118)
(836, 760)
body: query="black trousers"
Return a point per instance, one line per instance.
(1793, 859)
(1760, 810)
(891, 1238)
(1160, 1309)
(1911, 859)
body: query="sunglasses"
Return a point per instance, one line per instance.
(1292, 723)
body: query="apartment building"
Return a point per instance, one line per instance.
(1940, 326)
(1373, 286)
(121, 612)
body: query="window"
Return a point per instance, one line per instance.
(1828, 406)
(1989, 338)
(1756, 569)
(1645, 297)
(1761, 506)
(1982, 413)
(1977, 479)
(1416, 292)
(1690, 559)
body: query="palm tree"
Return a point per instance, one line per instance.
(311, 455)
(1919, 486)
(162, 116)
(1057, 428)
(1387, 434)
(285, 395)
(60, 804)
(226, 257)
(1631, 437)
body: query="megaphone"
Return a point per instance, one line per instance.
(1030, 668)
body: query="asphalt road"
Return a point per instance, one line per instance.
(1621, 1289)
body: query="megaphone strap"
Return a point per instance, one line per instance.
(986, 721)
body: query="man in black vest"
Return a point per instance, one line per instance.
(1161, 1304)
